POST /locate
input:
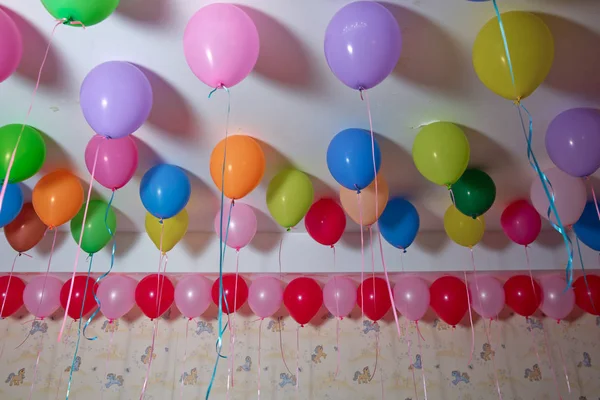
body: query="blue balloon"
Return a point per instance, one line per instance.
(12, 204)
(399, 223)
(165, 190)
(587, 228)
(350, 158)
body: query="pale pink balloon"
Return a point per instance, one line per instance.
(411, 297)
(11, 46)
(487, 296)
(42, 295)
(339, 296)
(242, 225)
(116, 294)
(193, 295)
(265, 296)
(556, 302)
(116, 162)
(569, 196)
(221, 45)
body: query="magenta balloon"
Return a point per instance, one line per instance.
(192, 295)
(116, 161)
(242, 225)
(265, 296)
(339, 296)
(411, 297)
(11, 46)
(569, 196)
(487, 296)
(221, 45)
(556, 302)
(42, 295)
(116, 294)
(116, 99)
(521, 222)
(362, 44)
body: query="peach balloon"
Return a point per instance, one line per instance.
(57, 198)
(372, 204)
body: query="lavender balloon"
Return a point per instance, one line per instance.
(573, 141)
(487, 296)
(339, 296)
(556, 302)
(116, 294)
(193, 295)
(116, 99)
(42, 295)
(411, 297)
(362, 44)
(265, 296)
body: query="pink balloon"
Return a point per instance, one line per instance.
(521, 222)
(221, 45)
(556, 302)
(11, 46)
(569, 196)
(192, 295)
(242, 225)
(487, 296)
(411, 297)
(116, 162)
(339, 296)
(116, 294)
(265, 296)
(42, 296)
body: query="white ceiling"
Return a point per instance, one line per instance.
(293, 103)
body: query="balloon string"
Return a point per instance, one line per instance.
(232, 324)
(279, 319)
(376, 355)
(259, 346)
(37, 363)
(587, 288)
(362, 257)
(537, 354)
(389, 285)
(410, 357)
(594, 196)
(66, 342)
(488, 335)
(12, 269)
(33, 95)
(337, 343)
(368, 103)
(107, 359)
(187, 328)
(562, 360)
(160, 260)
(297, 357)
(419, 337)
(550, 362)
(78, 251)
(151, 356)
(470, 308)
(337, 311)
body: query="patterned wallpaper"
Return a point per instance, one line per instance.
(114, 366)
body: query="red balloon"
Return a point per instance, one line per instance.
(523, 297)
(154, 295)
(325, 222)
(587, 297)
(303, 297)
(11, 297)
(79, 305)
(375, 305)
(449, 299)
(521, 222)
(235, 299)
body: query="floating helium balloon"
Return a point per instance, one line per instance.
(165, 190)
(116, 162)
(325, 221)
(487, 296)
(235, 292)
(303, 298)
(99, 219)
(42, 296)
(339, 296)
(265, 296)
(587, 228)
(166, 233)
(558, 300)
(11, 295)
(242, 225)
(154, 295)
(399, 223)
(12, 204)
(82, 296)
(587, 293)
(411, 297)
(449, 299)
(116, 294)
(86, 12)
(366, 208)
(521, 222)
(568, 193)
(289, 196)
(463, 230)
(30, 154)
(26, 230)
(523, 294)
(57, 198)
(373, 297)
(192, 295)
(11, 46)
(474, 193)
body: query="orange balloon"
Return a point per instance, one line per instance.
(372, 205)
(244, 166)
(57, 198)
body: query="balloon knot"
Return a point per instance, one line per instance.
(360, 91)
(289, 229)
(160, 221)
(301, 325)
(232, 202)
(332, 247)
(404, 251)
(448, 186)
(517, 102)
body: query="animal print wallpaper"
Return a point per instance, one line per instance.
(114, 365)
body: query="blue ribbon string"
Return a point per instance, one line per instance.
(528, 134)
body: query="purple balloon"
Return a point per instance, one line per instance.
(265, 296)
(339, 296)
(193, 295)
(556, 302)
(411, 297)
(362, 44)
(116, 99)
(573, 141)
(42, 296)
(116, 294)
(487, 296)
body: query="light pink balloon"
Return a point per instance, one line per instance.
(116, 294)
(221, 45)
(242, 225)
(339, 296)
(556, 302)
(192, 295)
(265, 296)
(42, 295)
(116, 163)
(11, 46)
(411, 297)
(487, 296)
(569, 196)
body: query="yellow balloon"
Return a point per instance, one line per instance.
(172, 230)
(466, 231)
(441, 152)
(531, 49)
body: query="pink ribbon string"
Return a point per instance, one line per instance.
(362, 257)
(259, 347)
(12, 269)
(410, 357)
(470, 308)
(37, 363)
(595, 200)
(389, 285)
(419, 337)
(376, 355)
(550, 362)
(232, 324)
(151, 355)
(337, 321)
(65, 343)
(279, 319)
(297, 357)
(187, 328)
(562, 360)
(110, 345)
(337, 343)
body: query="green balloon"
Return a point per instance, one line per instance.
(29, 157)
(289, 196)
(88, 12)
(474, 193)
(95, 234)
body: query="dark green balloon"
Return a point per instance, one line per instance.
(474, 193)
(30, 154)
(88, 12)
(95, 234)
